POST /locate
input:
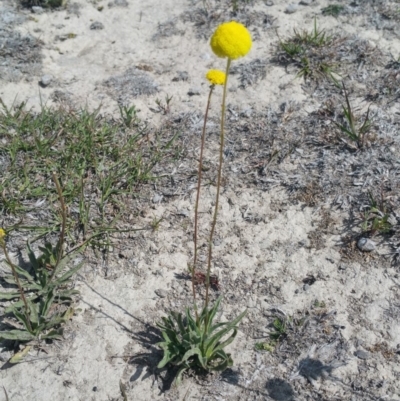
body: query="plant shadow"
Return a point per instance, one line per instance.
(279, 390)
(148, 336)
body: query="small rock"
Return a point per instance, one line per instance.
(37, 10)
(95, 26)
(362, 354)
(181, 76)
(161, 293)
(306, 2)
(157, 198)
(306, 287)
(194, 92)
(269, 3)
(291, 8)
(366, 245)
(247, 111)
(296, 291)
(45, 80)
(183, 212)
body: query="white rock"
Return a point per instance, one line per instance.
(366, 244)
(46, 80)
(291, 8)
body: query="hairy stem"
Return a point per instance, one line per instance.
(221, 159)
(196, 208)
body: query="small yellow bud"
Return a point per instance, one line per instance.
(216, 77)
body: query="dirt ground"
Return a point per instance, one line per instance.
(290, 243)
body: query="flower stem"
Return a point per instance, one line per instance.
(21, 291)
(221, 159)
(196, 208)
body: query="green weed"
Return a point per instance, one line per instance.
(280, 328)
(164, 107)
(376, 217)
(355, 130)
(197, 343)
(309, 52)
(45, 290)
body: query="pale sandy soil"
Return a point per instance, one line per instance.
(271, 240)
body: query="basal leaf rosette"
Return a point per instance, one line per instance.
(216, 77)
(232, 40)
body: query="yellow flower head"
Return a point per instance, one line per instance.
(2, 234)
(216, 77)
(232, 40)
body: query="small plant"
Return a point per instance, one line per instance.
(319, 304)
(309, 51)
(155, 223)
(333, 9)
(316, 37)
(376, 218)
(280, 328)
(197, 343)
(164, 107)
(355, 131)
(45, 292)
(128, 115)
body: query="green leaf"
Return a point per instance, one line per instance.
(9, 295)
(34, 312)
(192, 352)
(65, 260)
(19, 304)
(22, 318)
(16, 335)
(213, 311)
(68, 274)
(32, 257)
(23, 272)
(46, 303)
(178, 378)
(66, 295)
(225, 343)
(211, 343)
(53, 334)
(167, 358)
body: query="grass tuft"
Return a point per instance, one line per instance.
(100, 163)
(309, 52)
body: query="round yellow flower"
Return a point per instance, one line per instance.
(216, 77)
(232, 40)
(2, 233)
